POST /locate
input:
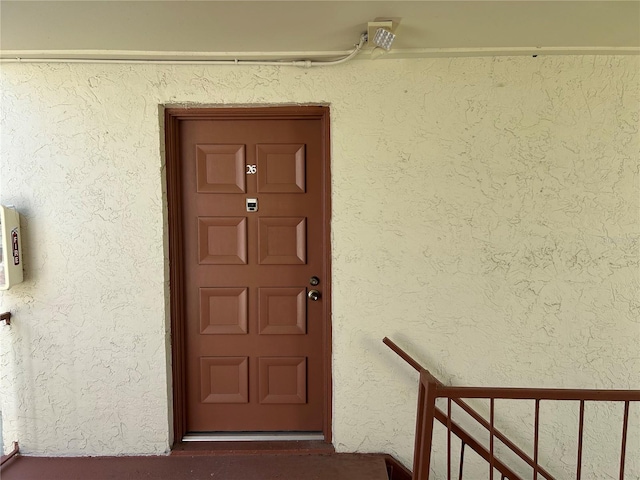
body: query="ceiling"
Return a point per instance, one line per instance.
(320, 29)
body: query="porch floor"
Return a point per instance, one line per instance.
(199, 467)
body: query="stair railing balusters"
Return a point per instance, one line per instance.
(431, 388)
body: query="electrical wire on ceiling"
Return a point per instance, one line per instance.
(278, 63)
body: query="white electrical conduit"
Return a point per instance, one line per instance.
(277, 63)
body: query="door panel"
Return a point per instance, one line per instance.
(224, 380)
(281, 168)
(222, 240)
(255, 345)
(283, 379)
(223, 311)
(220, 168)
(282, 240)
(282, 311)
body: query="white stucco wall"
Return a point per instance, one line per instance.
(485, 216)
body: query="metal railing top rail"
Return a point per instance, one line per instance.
(517, 393)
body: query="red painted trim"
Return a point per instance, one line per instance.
(328, 341)
(176, 287)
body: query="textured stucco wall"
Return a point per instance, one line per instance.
(485, 215)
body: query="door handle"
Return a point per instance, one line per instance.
(314, 295)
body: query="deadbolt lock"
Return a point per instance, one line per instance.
(314, 281)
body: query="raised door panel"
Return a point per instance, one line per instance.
(223, 311)
(282, 379)
(282, 240)
(220, 168)
(222, 240)
(224, 379)
(281, 168)
(282, 311)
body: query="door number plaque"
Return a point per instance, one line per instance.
(252, 169)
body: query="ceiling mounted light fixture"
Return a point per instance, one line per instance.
(381, 34)
(383, 38)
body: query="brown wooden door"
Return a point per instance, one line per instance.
(255, 343)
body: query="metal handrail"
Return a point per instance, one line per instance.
(11, 454)
(508, 393)
(431, 389)
(6, 318)
(468, 409)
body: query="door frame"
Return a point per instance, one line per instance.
(172, 119)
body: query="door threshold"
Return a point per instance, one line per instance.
(253, 447)
(252, 437)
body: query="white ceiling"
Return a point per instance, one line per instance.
(266, 29)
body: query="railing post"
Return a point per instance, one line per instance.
(424, 426)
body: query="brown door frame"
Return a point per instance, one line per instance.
(172, 119)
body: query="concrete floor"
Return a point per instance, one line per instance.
(199, 467)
